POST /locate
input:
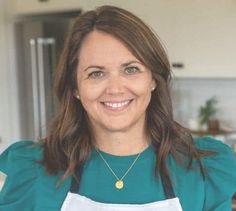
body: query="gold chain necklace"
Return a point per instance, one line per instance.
(119, 184)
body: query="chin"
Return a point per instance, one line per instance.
(116, 129)
(112, 127)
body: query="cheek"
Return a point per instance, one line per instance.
(144, 94)
(88, 100)
(143, 87)
(89, 94)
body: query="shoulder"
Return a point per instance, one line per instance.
(27, 185)
(20, 154)
(19, 163)
(223, 158)
(223, 154)
(220, 182)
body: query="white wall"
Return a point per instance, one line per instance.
(4, 92)
(206, 38)
(9, 127)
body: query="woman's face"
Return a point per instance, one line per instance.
(113, 85)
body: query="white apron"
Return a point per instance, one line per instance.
(76, 202)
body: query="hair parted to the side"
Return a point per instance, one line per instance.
(69, 140)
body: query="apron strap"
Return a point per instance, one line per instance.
(168, 188)
(76, 179)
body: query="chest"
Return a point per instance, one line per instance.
(140, 184)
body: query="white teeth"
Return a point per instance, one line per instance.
(116, 105)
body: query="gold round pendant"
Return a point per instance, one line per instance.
(119, 184)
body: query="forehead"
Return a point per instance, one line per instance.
(99, 46)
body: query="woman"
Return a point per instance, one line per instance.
(114, 144)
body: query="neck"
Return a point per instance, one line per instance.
(122, 142)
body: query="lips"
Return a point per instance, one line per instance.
(118, 105)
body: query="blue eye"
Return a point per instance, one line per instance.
(96, 74)
(131, 70)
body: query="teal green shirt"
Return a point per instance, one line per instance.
(28, 187)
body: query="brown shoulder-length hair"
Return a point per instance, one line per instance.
(69, 140)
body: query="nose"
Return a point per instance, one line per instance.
(115, 85)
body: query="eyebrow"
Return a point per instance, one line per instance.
(130, 62)
(102, 67)
(93, 66)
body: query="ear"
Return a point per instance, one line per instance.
(76, 94)
(153, 84)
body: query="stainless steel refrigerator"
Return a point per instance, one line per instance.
(40, 40)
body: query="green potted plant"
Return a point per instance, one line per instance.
(207, 115)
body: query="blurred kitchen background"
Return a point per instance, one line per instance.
(199, 37)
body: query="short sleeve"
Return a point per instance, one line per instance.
(19, 164)
(220, 182)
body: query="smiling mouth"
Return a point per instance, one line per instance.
(117, 105)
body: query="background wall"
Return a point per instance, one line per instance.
(190, 94)
(9, 114)
(4, 92)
